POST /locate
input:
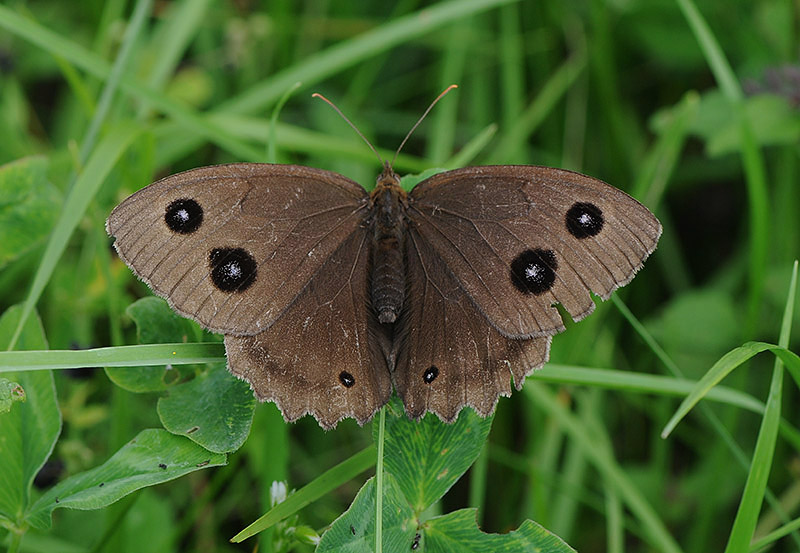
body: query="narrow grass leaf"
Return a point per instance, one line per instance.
(723, 368)
(552, 91)
(321, 485)
(653, 528)
(643, 383)
(155, 323)
(190, 120)
(348, 53)
(93, 175)
(473, 148)
(744, 524)
(119, 356)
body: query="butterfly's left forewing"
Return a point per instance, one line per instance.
(520, 239)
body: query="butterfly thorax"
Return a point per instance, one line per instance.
(388, 203)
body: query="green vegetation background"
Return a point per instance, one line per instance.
(694, 108)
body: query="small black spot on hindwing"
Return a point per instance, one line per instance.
(232, 269)
(415, 543)
(430, 374)
(347, 379)
(184, 216)
(584, 220)
(534, 271)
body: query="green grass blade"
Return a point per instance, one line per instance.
(721, 369)
(775, 535)
(714, 55)
(110, 86)
(348, 53)
(321, 485)
(471, 149)
(753, 496)
(88, 182)
(652, 526)
(526, 123)
(57, 45)
(118, 356)
(752, 158)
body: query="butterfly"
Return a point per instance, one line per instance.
(330, 296)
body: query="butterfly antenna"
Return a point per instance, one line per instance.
(430, 107)
(343, 116)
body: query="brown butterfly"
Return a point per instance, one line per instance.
(329, 295)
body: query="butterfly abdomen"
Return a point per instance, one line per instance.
(388, 282)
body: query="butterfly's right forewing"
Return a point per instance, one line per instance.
(232, 246)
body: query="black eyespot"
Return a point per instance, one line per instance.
(415, 543)
(184, 216)
(347, 379)
(534, 271)
(430, 374)
(162, 466)
(232, 269)
(102, 484)
(584, 220)
(352, 530)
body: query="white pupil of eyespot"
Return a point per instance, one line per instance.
(533, 271)
(585, 219)
(233, 270)
(182, 214)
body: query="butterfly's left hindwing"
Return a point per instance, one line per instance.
(322, 355)
(449, 356)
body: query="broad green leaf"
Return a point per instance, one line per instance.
(155, 323)
(152, 457)
(458, 531)
(29, 430)
(428, 456)
(354, 531)
(214, 409)
(771, 118)
(9, 393)
(29, 206)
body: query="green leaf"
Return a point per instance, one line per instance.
(152, 457)
(354, 530)
(9, 393)
(28, 432)
(408, 182)
(155, 323)
(29, 205)
(428, 456)
(214, 410)
(458, 531)
(726, 364)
